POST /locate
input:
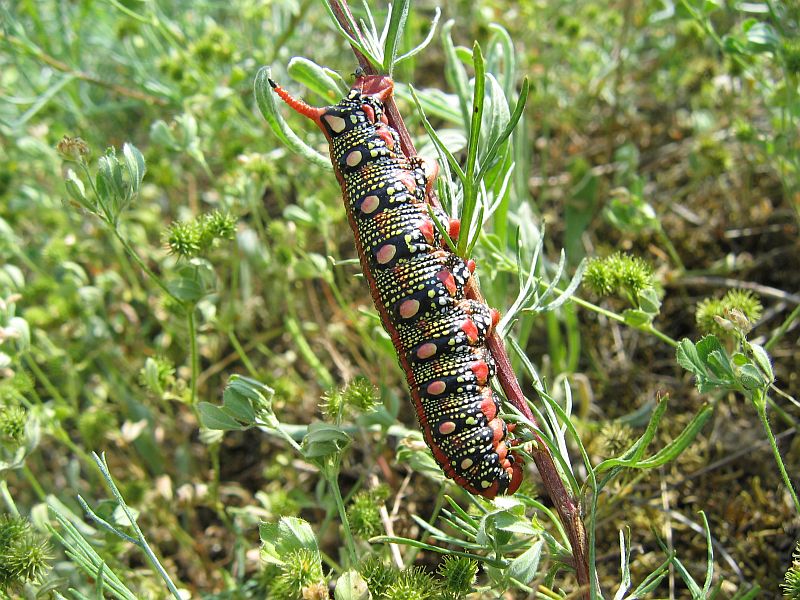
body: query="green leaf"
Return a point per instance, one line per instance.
(454, 72)
(186, 289)
(519, 107)
(420, 47)
(672, 450)
(688, 357)
(496, 119)
(762, 359)
(324, 440)
(351, 586)
(398, 16)
(214, 417)
(635, 452)
(161, 134)
(649, 301)
(22, 333)
(524, 567)
(636, 318)
(761, 37)
(287, 535)
(134, 161)
(248, 400)
(265, 98)
(77, 191)
(440, 146)
(316, 78)
(752, 378)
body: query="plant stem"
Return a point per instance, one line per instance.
(237, 346)
(142, 541)
(759, 400)
(37, 487)
(348, 535)
(38, 53)
(567, 507)
(138, 260)
(40, 375)
(783, 328)
(194, 357)
(8, 499)
(647, 328)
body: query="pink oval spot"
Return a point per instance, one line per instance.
(369, 204)
(408, 308)
(426, 350)
(436, 387)
(386, 253)
(353, 158)
(447, 427)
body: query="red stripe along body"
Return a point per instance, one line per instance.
(418, 289)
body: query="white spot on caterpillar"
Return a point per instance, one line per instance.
(436, 387)
(369, 204)
(353, 158)
(335, 123)
(447, 427)
(409, 308)
(386, 253)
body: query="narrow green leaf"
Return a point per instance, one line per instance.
(501, 38)
(265, 98)
(569, 291)
(671, 451)
(633, 454)
(398, 16)
(386, 539)
(374, 60)
(454, 72)
(519, 107)
(436, 140)
(709, 556)
(316, 78)
(420, 47)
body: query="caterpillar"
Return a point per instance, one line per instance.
(418, 285)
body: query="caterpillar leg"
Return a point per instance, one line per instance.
(516, 473)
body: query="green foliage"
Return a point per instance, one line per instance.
(458, 574)
(412, 583)
(364, 512)
(358, 396)
(377, 574)
(132, 153)
(24, 553)
(737, 309)
(620, 274)
(301, 573)
(188, 239)
(791, 581)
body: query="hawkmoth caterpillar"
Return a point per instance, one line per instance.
(417, 285)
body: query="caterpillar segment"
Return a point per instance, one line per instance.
(418, 286)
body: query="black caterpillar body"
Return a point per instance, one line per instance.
(418, 289)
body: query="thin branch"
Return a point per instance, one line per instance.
(58, 65)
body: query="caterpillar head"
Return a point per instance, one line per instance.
(364, 104)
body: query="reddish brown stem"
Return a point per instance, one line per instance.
(565, 504)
